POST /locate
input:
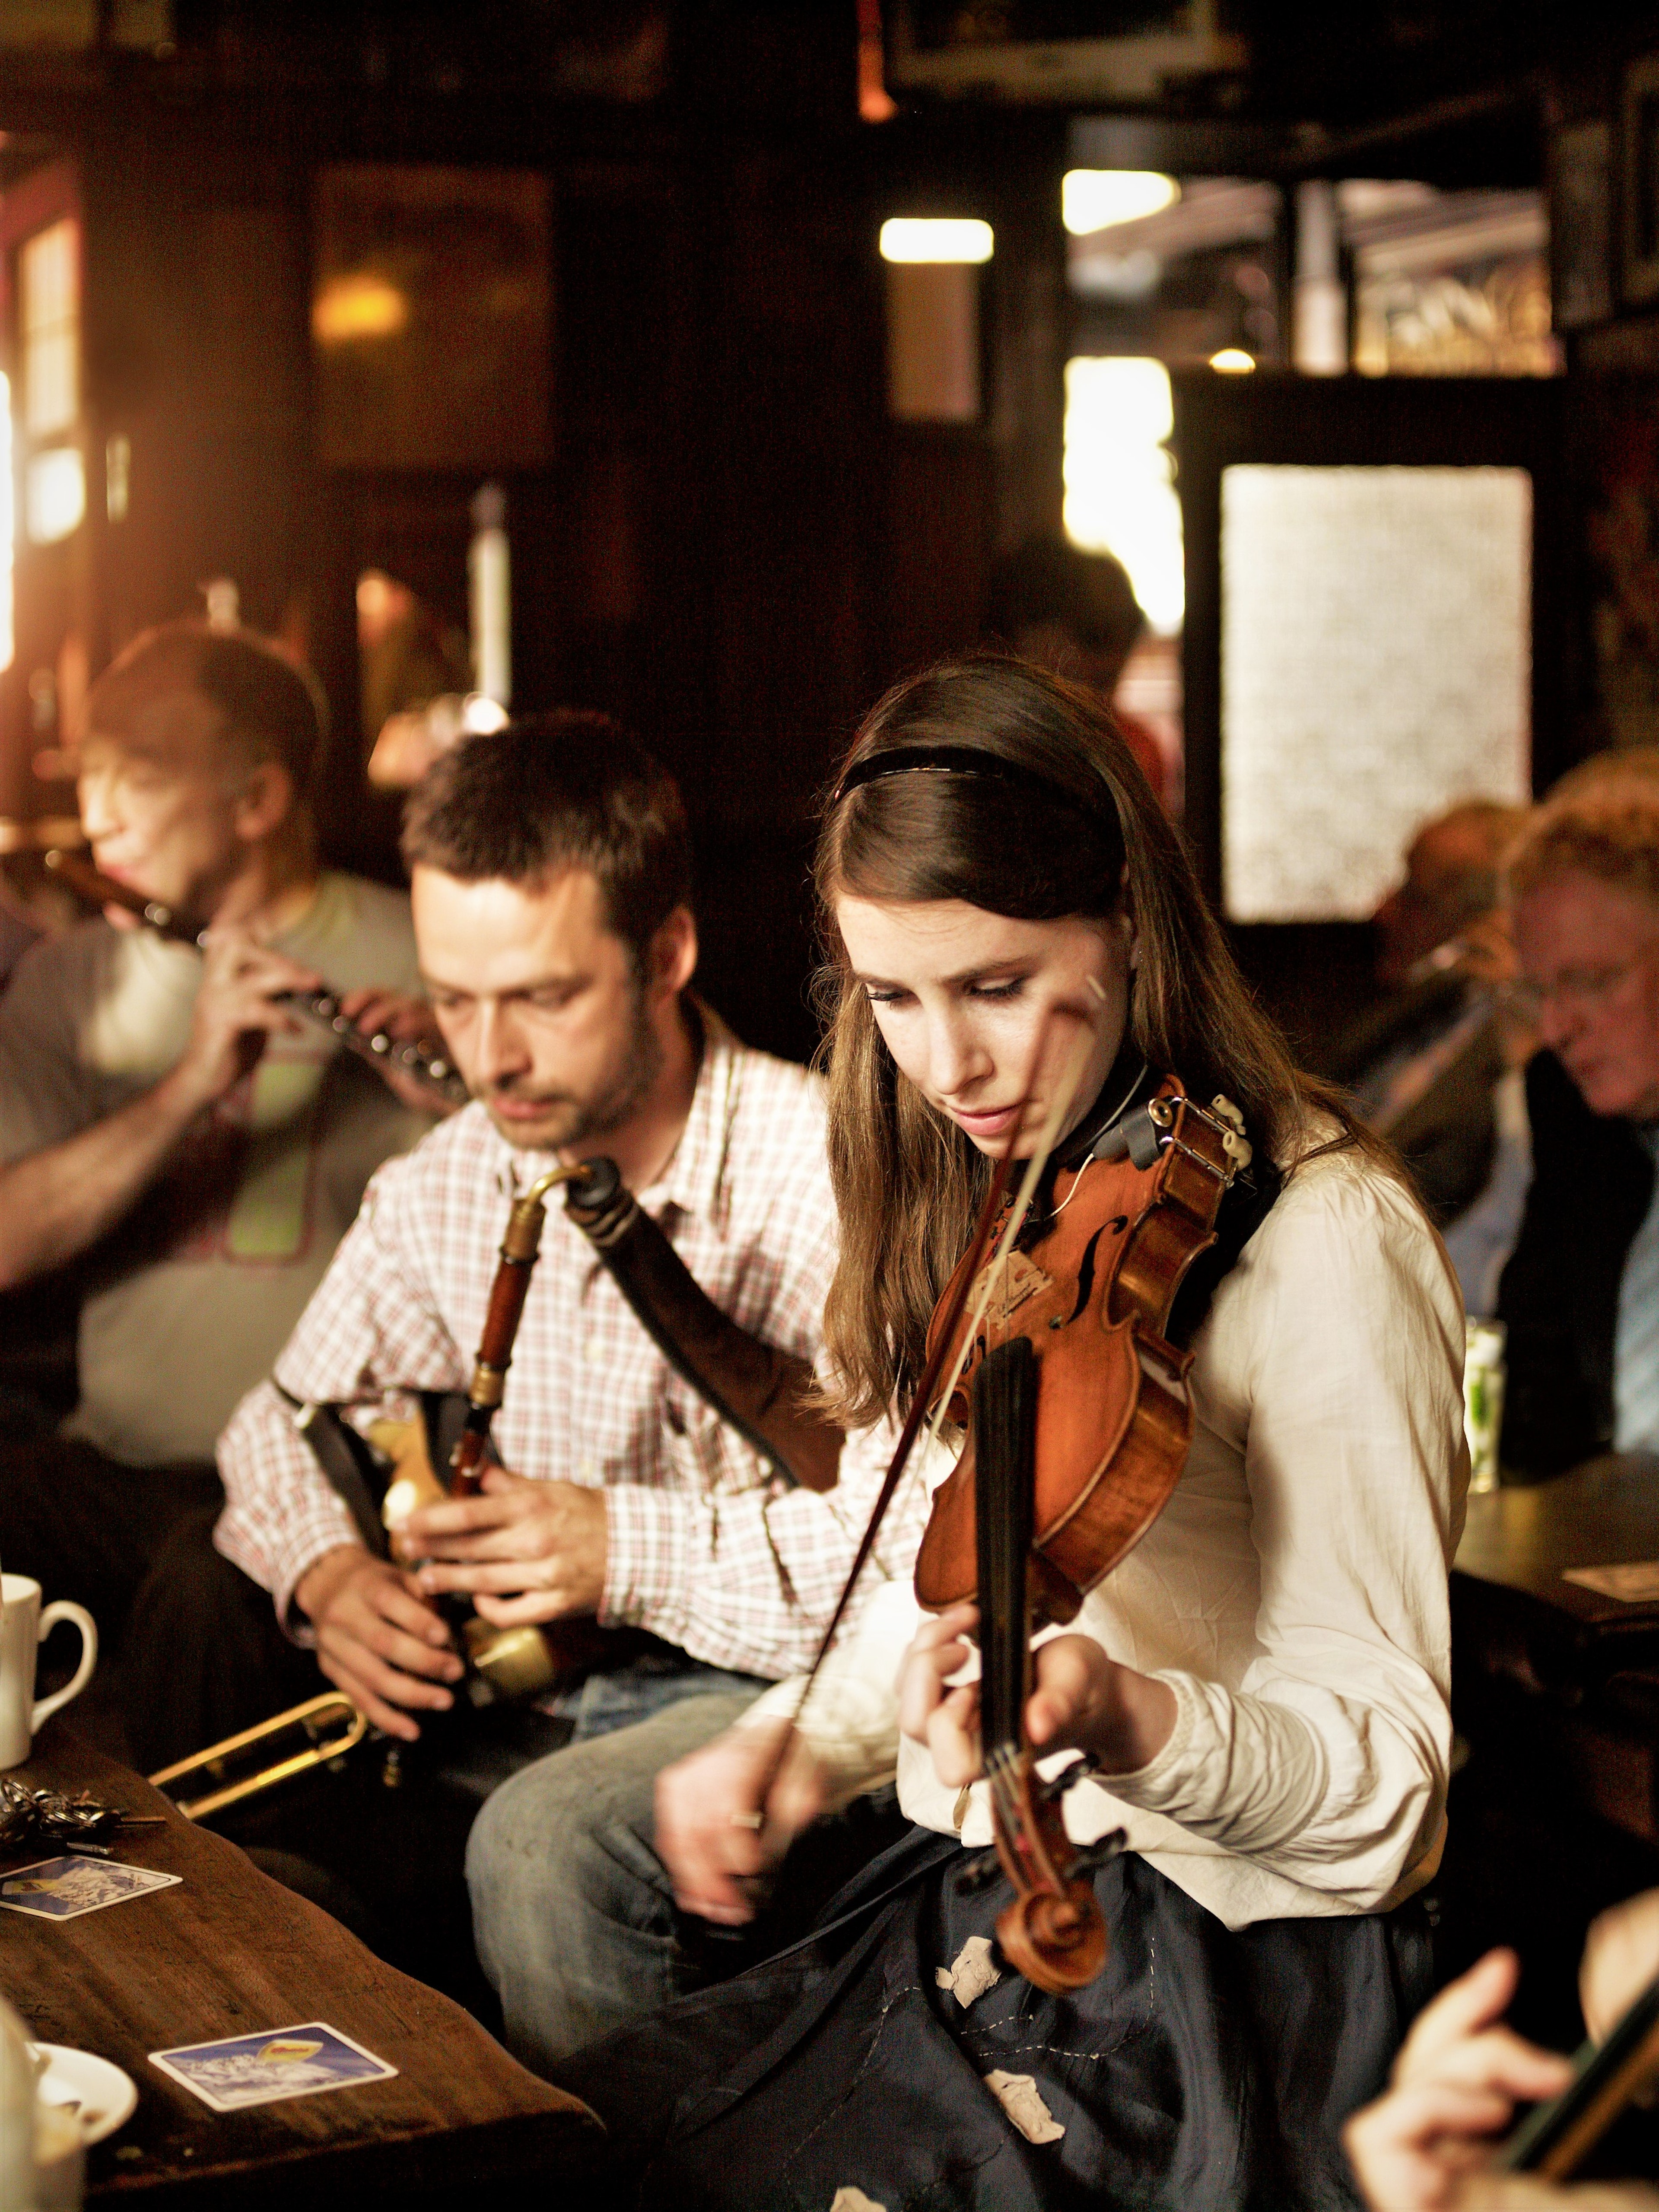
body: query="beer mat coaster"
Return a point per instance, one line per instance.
(64, 1888)
(1637, 1583)
(278, 2062)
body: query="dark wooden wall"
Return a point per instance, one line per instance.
(730, 547)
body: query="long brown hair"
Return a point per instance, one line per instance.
(1063, 823)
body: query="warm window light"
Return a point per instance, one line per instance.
(118, 476)
(909, 238)
(54, 495)
(357, 306)
(1094, 199)
(8, 635)
(1120, 478)
(1233, 361)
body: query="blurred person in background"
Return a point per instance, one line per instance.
(1461, 2072)
(1580, 1298)
(1434, 1067)
(165, 1120)
(1076, 614)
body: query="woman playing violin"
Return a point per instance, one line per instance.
(1260, 1684)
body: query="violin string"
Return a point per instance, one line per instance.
(908, 1435)
(1065, 1098)
(1106, 1121)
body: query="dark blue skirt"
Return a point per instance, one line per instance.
(1204, 2071)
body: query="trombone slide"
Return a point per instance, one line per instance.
(311, 1720)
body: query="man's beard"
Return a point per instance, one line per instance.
(573, 1123)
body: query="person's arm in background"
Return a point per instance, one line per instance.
(58, 1199)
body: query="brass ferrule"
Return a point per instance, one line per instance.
(523, 1240)
(488, 1385)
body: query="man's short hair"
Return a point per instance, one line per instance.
(1049, 580)
(265, 709)
(552, 791)
(1608, 830)
(1637, 764)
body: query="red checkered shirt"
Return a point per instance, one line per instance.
(705, 1547)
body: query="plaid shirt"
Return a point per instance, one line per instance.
(704, 1547)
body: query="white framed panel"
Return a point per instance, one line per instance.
(1375, 668)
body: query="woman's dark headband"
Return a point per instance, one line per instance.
(967, 760)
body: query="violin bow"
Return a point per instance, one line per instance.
(928, 1381)
(1065, 1098)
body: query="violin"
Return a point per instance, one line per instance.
(1077, 1420)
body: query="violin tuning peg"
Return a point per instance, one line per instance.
(1101, 1852)
(1080, 1770)
(978, 1873)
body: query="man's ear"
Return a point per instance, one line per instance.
(673, 956)
(264, 801)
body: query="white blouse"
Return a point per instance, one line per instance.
(1292, 1593)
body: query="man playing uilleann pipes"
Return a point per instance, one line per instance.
(550, 881)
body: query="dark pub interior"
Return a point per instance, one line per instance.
(828, 1104)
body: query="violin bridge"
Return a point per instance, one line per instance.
(1016, 1279)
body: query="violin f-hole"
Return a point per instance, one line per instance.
(1085, 1273)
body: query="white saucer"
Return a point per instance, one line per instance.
(100, 2095)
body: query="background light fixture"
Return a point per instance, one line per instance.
(934, 239)
(1095, 200)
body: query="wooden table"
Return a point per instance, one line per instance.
(228, 1952)
(1564, 1679)
(1510, 1574)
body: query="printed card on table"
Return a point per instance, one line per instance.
(279, 2062)
(64, 1888)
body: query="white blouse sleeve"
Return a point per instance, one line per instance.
(1338, 1366)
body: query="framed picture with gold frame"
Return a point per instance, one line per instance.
(431, 317)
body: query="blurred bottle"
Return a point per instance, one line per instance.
(1483, 1371)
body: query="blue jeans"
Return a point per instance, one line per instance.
(572, 1910)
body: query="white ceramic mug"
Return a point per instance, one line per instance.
(23, 1628)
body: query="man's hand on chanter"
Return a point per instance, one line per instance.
(378, 1640)
(522, 1551)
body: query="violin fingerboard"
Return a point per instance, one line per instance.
(1004, 1459)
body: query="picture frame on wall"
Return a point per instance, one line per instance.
(431, 318)
(1581, 224)
(1639, 166)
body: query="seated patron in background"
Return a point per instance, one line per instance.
(1076, 614)
(1462, 2073)
(1581, 1295)
(164, 1119)
(1430, 1066)
(550, 884)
